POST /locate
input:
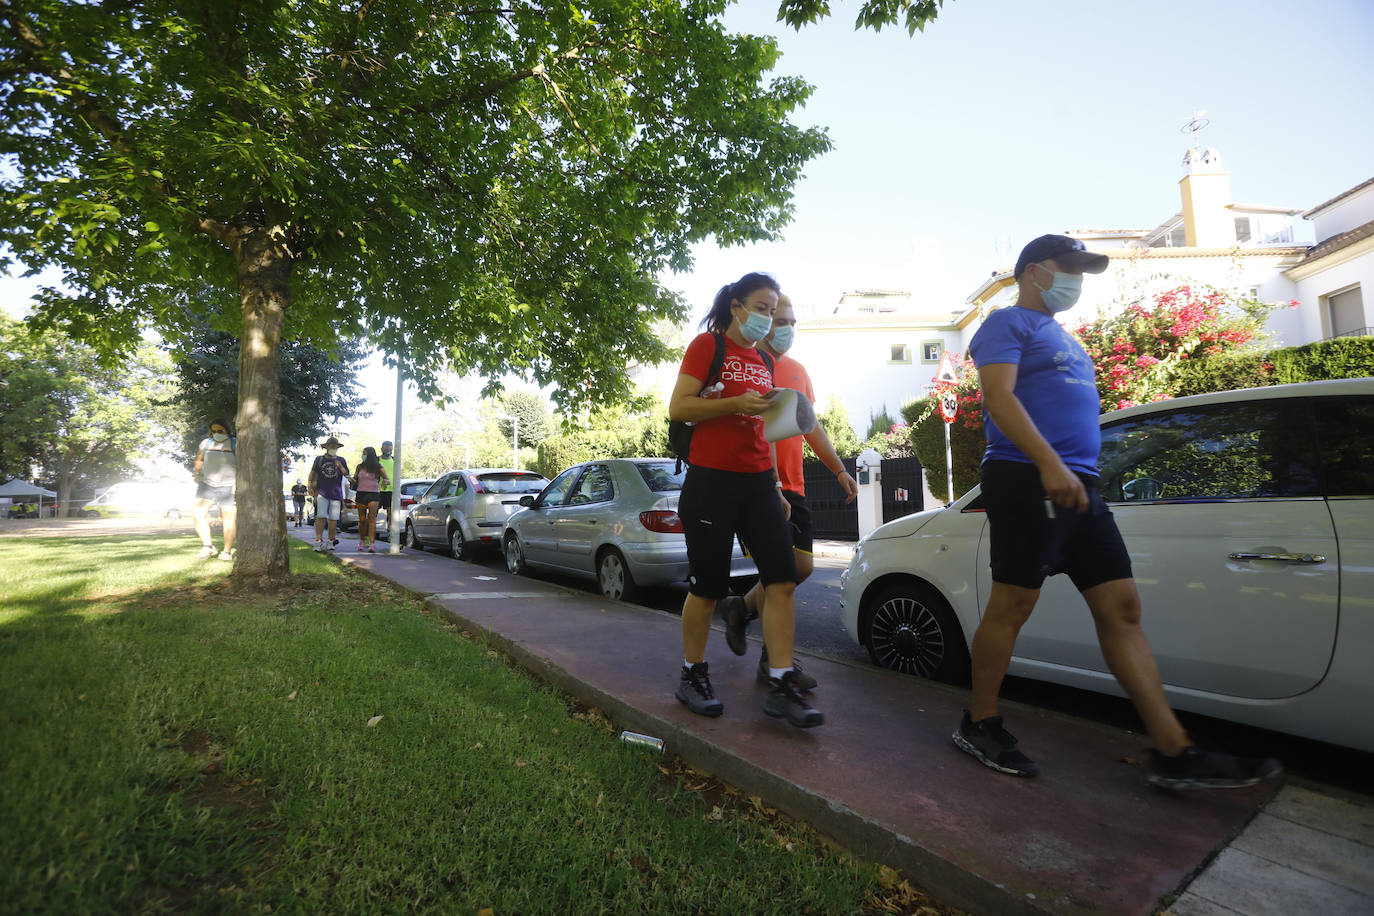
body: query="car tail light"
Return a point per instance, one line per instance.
(662, 521)
(407, 502)
(477, 485)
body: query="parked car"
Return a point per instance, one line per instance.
(465, 510)
(169, 499)
(412, 488)
(1249, 517)
(614, 521)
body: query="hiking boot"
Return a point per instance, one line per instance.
(786, 702)
(694, 691)
(804, 681)
(1196, 768)
(206, 553)
(735, 613)
(987, 741)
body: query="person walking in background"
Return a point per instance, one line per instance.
(216, 473)
(388, 462)
(326, 484)
(298, 494)
(369, 481)
(1046, 516)
(736, 611)
(731, 489)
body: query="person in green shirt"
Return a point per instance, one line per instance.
(389, 465)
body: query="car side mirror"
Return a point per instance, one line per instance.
(527, 501)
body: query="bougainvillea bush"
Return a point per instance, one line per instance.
(1138, 350)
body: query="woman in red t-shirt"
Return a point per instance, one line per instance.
(731, 490)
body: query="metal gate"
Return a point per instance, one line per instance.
(903, 493)
(831, 519)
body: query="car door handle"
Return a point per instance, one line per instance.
(1282, 557)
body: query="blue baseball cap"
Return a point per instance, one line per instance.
(1062, 249)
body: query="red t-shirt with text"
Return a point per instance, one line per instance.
(732, 442)
(788, 373)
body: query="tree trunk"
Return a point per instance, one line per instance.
(264, 280)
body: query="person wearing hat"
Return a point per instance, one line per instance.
(326, 485)
(1046, 516)
(298, 494)
(737, 610)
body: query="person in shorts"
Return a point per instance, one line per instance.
(1045, 516)
(326, 485)
(369, 481)
(216, 471)
(731, 490)
(298, 494)
(738, 610)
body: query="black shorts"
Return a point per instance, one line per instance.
(385, 497)
(802, 537)
(716, 507)
(366, 499)
(1029, 542)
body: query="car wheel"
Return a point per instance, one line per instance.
(88, 513)
(515, 557)
(911, 629)
(457, 544)
(613, 575)
(408, 537)
(174, 514)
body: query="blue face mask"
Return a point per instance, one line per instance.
(783, 335)
(1063, 292)
(756, 326)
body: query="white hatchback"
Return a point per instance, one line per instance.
(1249, 517)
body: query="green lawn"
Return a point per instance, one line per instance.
(167, 747)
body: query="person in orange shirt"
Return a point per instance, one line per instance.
(735, 610)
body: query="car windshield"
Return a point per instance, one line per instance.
(511, 482)
(659, 476)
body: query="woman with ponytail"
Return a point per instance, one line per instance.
(732, 490)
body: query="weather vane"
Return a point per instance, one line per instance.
(1194, 124)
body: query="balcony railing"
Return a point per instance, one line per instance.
(1357, 332)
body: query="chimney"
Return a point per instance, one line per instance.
(1206, 189)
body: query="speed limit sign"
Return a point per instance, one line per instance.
(949, 405)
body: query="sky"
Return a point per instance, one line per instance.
(1006, 119)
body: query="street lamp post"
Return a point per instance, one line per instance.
(514, 437)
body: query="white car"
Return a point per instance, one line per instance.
(1249, 517)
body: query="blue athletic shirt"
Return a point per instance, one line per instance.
(1054, 382)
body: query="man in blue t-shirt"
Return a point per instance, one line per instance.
(326, 485)
(1045, 516)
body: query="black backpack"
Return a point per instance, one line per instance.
(680, 431)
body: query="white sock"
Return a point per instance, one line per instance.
(687, 664)
(777, 673)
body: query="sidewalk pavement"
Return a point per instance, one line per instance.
(882, 778)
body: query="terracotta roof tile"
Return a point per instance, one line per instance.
(1337, 242)
(1339, 197)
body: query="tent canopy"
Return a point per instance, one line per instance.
(18, 489)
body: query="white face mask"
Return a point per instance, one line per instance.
(1063, 291)
(220, 437)
(331, 452)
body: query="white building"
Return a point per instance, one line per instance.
(879, 348)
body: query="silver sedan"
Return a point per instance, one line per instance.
(614, 521)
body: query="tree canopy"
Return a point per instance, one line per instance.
(77, 420)
(488, 190)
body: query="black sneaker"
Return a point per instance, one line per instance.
(786, 702)
(804, 681)
(987, 741)
(694, 691)
(735, 613)
(1196, 768)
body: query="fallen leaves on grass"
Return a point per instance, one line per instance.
(372, 723)
(898, 896)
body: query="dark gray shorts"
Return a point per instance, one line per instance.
(1028, 544)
